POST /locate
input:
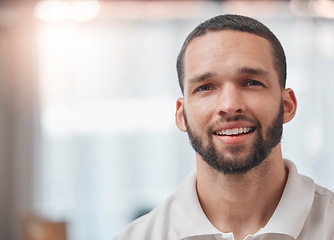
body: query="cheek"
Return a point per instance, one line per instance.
(262, 109)
(203, 105)
(198, 116)
(269, 115)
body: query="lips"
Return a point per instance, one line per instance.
(234, 135)
(235, 131)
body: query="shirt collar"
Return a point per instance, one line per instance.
(190, 220)
(288, 218)
(294, 206)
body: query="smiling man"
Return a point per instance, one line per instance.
(232, 73)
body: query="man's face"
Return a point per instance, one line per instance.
(233, 106)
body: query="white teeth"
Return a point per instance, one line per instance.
(229, 131)
(233, 131)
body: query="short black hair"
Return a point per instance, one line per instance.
(236, 23)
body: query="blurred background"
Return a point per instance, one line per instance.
(87, 100)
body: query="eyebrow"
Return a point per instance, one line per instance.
(241, 70)
(202, 77)
(252, 71)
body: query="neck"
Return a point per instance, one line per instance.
(241, 203)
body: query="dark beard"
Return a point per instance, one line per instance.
(261, 149)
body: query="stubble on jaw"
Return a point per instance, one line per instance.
(259, 151)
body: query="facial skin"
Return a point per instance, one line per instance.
(230, 83)
(260, 150)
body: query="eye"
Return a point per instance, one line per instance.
(253, 83)
(204, 88)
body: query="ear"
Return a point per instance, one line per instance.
(290, 104)
(179, 117)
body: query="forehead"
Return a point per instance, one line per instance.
(226, 50)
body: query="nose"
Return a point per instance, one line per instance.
(230, 101)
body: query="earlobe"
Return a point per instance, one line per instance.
(290, 104)
(179, 117)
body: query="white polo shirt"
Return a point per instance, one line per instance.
(305, 211)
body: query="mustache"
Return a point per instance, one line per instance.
(235, 118)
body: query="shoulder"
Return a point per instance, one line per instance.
(320, 220)
(157, 224)
(324, 201)
(311, 204)
(171, 219)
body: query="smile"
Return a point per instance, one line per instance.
(235, 131)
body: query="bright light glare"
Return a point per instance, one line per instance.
(83, 11)
(56, 11)
(323, 8)
(51, 11)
